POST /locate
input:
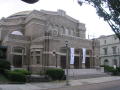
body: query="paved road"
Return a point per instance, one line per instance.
(113, 85)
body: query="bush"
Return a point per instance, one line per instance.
(108, 68)
(118, 69)
(112, 70)
(55, 73)
(115, 72)
(4, 65)
(23, 71)
(16, 76)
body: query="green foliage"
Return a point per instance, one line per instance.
(108, 68)
(112, 70)
(4, 65)
(109, 10)
(55, 73)
(115, 72)
(3, 79)
(16, 76)
(23, 71)
(118, 69)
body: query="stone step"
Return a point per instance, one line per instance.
(77, 72)
(37, 78)
(88, 76)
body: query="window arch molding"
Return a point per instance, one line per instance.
(106, 62)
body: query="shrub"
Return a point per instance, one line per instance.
(55, 73)
(115, 72)
(118, 69)
(16, 76)
(23, 71)
(4, 65)
(112, 70)
(108, 68)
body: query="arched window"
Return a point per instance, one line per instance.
(72, 32)
(66, 31)
(62, 30)
(106, 62)
(69, 31)
(16, 33)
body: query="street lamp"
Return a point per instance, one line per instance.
(67, 63)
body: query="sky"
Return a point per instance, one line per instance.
(95, 26)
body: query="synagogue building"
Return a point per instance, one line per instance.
(37, 39)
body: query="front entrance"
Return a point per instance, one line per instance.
(63, 62)
(87, 62)
(17, 61)
(76, 63)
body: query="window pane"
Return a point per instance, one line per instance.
(38, 59)
(37, 52)
(17, 50)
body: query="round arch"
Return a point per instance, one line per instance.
(106, 62)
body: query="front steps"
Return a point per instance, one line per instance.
(85, 73)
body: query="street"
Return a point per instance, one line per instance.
(113, 85)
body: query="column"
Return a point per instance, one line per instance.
(80, 58)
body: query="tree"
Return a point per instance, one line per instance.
(4, 65)
(30, 1)
(109, 10)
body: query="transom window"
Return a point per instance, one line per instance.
(18, 49)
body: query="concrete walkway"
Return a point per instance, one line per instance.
(56, 84)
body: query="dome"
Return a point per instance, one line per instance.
(16, 33)
(23, 13)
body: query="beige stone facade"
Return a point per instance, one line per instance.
(109, 50)
(36, 39)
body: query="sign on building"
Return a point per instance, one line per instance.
(84, 55)
(71, 55)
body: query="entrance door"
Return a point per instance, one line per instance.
(17, 61)
(87, 62)
(76, 63)
(63, 62)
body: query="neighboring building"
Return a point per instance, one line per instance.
(36, 39)
(110, 50)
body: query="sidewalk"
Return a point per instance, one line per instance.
(94, 80)
(57, 84)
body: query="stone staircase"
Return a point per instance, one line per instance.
(85, 73)
(73, 74)
(37, 78)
